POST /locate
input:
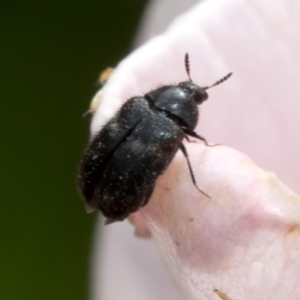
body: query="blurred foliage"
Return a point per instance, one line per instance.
(50, 57)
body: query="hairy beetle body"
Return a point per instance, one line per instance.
(121, 164)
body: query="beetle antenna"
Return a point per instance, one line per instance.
(187, 65)
(218, 82)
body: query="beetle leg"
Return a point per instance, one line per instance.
(187, 138)
(183, 149)
(198, 136)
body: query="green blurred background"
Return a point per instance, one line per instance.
(51, 54)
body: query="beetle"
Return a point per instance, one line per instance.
(121, 164)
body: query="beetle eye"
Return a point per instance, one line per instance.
(200, 96)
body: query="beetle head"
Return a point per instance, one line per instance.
(199, 94)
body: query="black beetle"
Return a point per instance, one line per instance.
(121, 164)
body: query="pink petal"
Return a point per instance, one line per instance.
(244, 240)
